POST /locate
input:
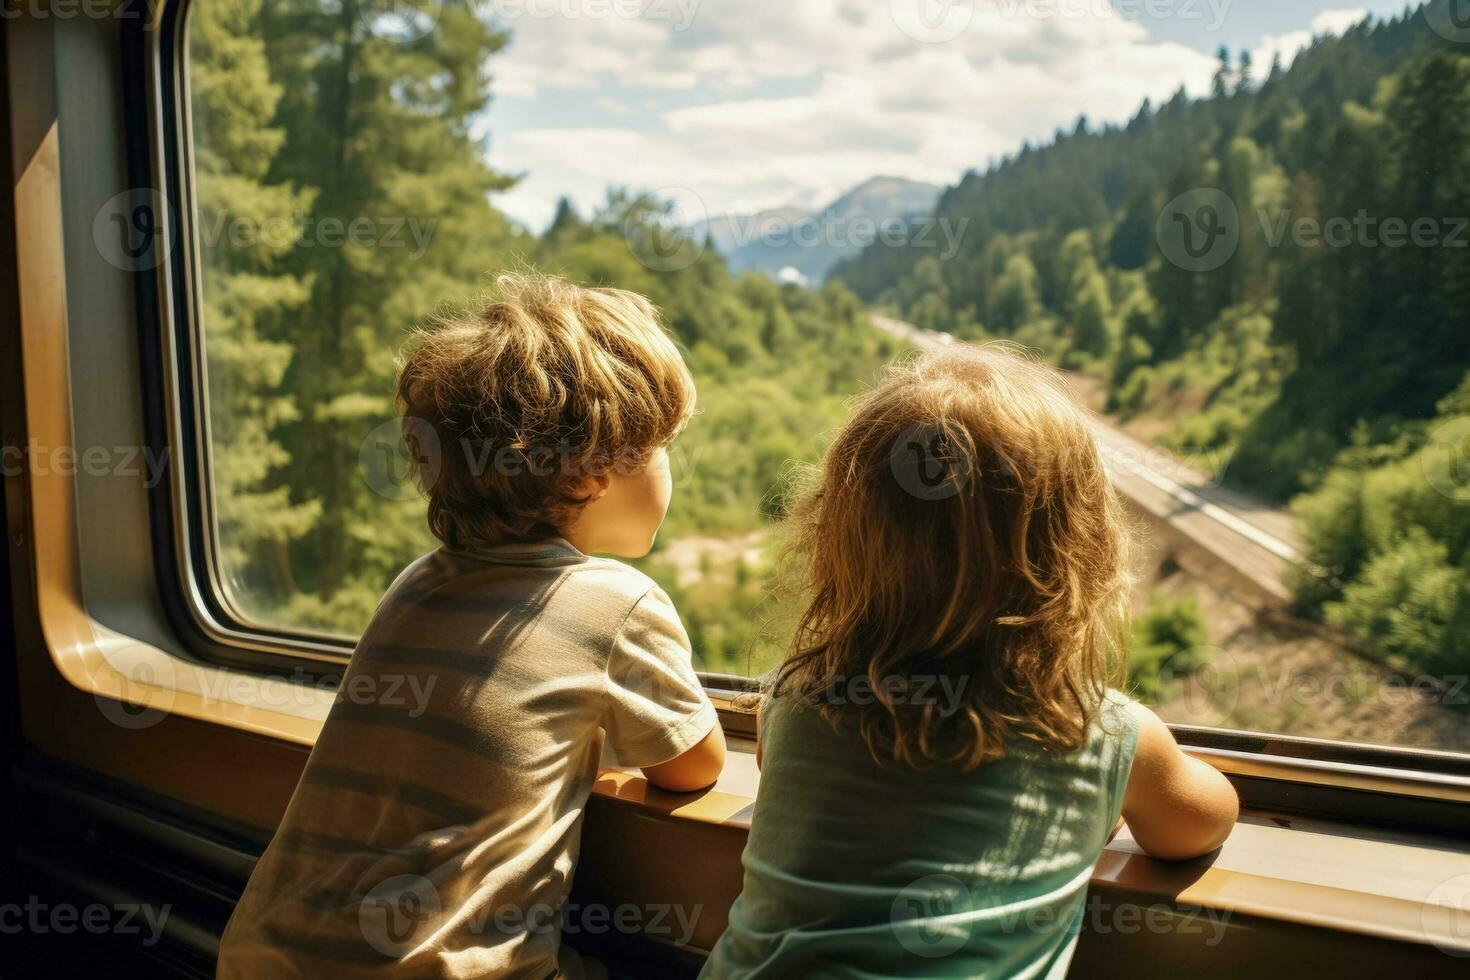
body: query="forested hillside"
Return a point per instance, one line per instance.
(308, 113)
(1281, 270)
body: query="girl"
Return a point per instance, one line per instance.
(942, 761)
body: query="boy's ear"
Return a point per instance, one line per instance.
(594, 485)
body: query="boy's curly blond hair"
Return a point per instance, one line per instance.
(510, 407)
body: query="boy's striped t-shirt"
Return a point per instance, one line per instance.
(436, 826)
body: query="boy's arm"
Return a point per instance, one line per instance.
(1177, 807)
(694, 769)
(657, 716)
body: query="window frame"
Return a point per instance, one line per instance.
(170, 314)
(1321, 775)
(175, 379)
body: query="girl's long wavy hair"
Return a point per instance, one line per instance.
(967, 564)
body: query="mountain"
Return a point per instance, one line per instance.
(1278, 273)
(802, 245)
(1182, 256)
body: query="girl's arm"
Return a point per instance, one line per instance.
(758, 738)
(1176, 807)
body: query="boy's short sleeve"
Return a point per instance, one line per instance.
(656, 708)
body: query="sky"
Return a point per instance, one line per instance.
(730, 106)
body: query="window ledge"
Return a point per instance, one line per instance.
(118, 670)
(1403, 887)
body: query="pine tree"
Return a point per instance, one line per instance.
(1220, 85)
(1087, 308)
(1016, 297)
(1428, 109)
(379, 122)
(246, 230)
(566, 223)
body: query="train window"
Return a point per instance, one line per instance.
(1280, 383)
(344, 190)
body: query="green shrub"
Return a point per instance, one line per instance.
(1169, 640)
(1411, 605)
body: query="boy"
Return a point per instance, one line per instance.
(439, 839)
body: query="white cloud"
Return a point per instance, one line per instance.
(611, 106)
(581, 52)
(1288, 46)
(1337, 21)
(868, 99)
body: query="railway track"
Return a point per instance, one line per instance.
(1256, 540)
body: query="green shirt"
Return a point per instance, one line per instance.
(855, 870)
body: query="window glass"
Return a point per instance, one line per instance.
(1246, 241)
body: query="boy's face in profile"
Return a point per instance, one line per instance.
(626, 511)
